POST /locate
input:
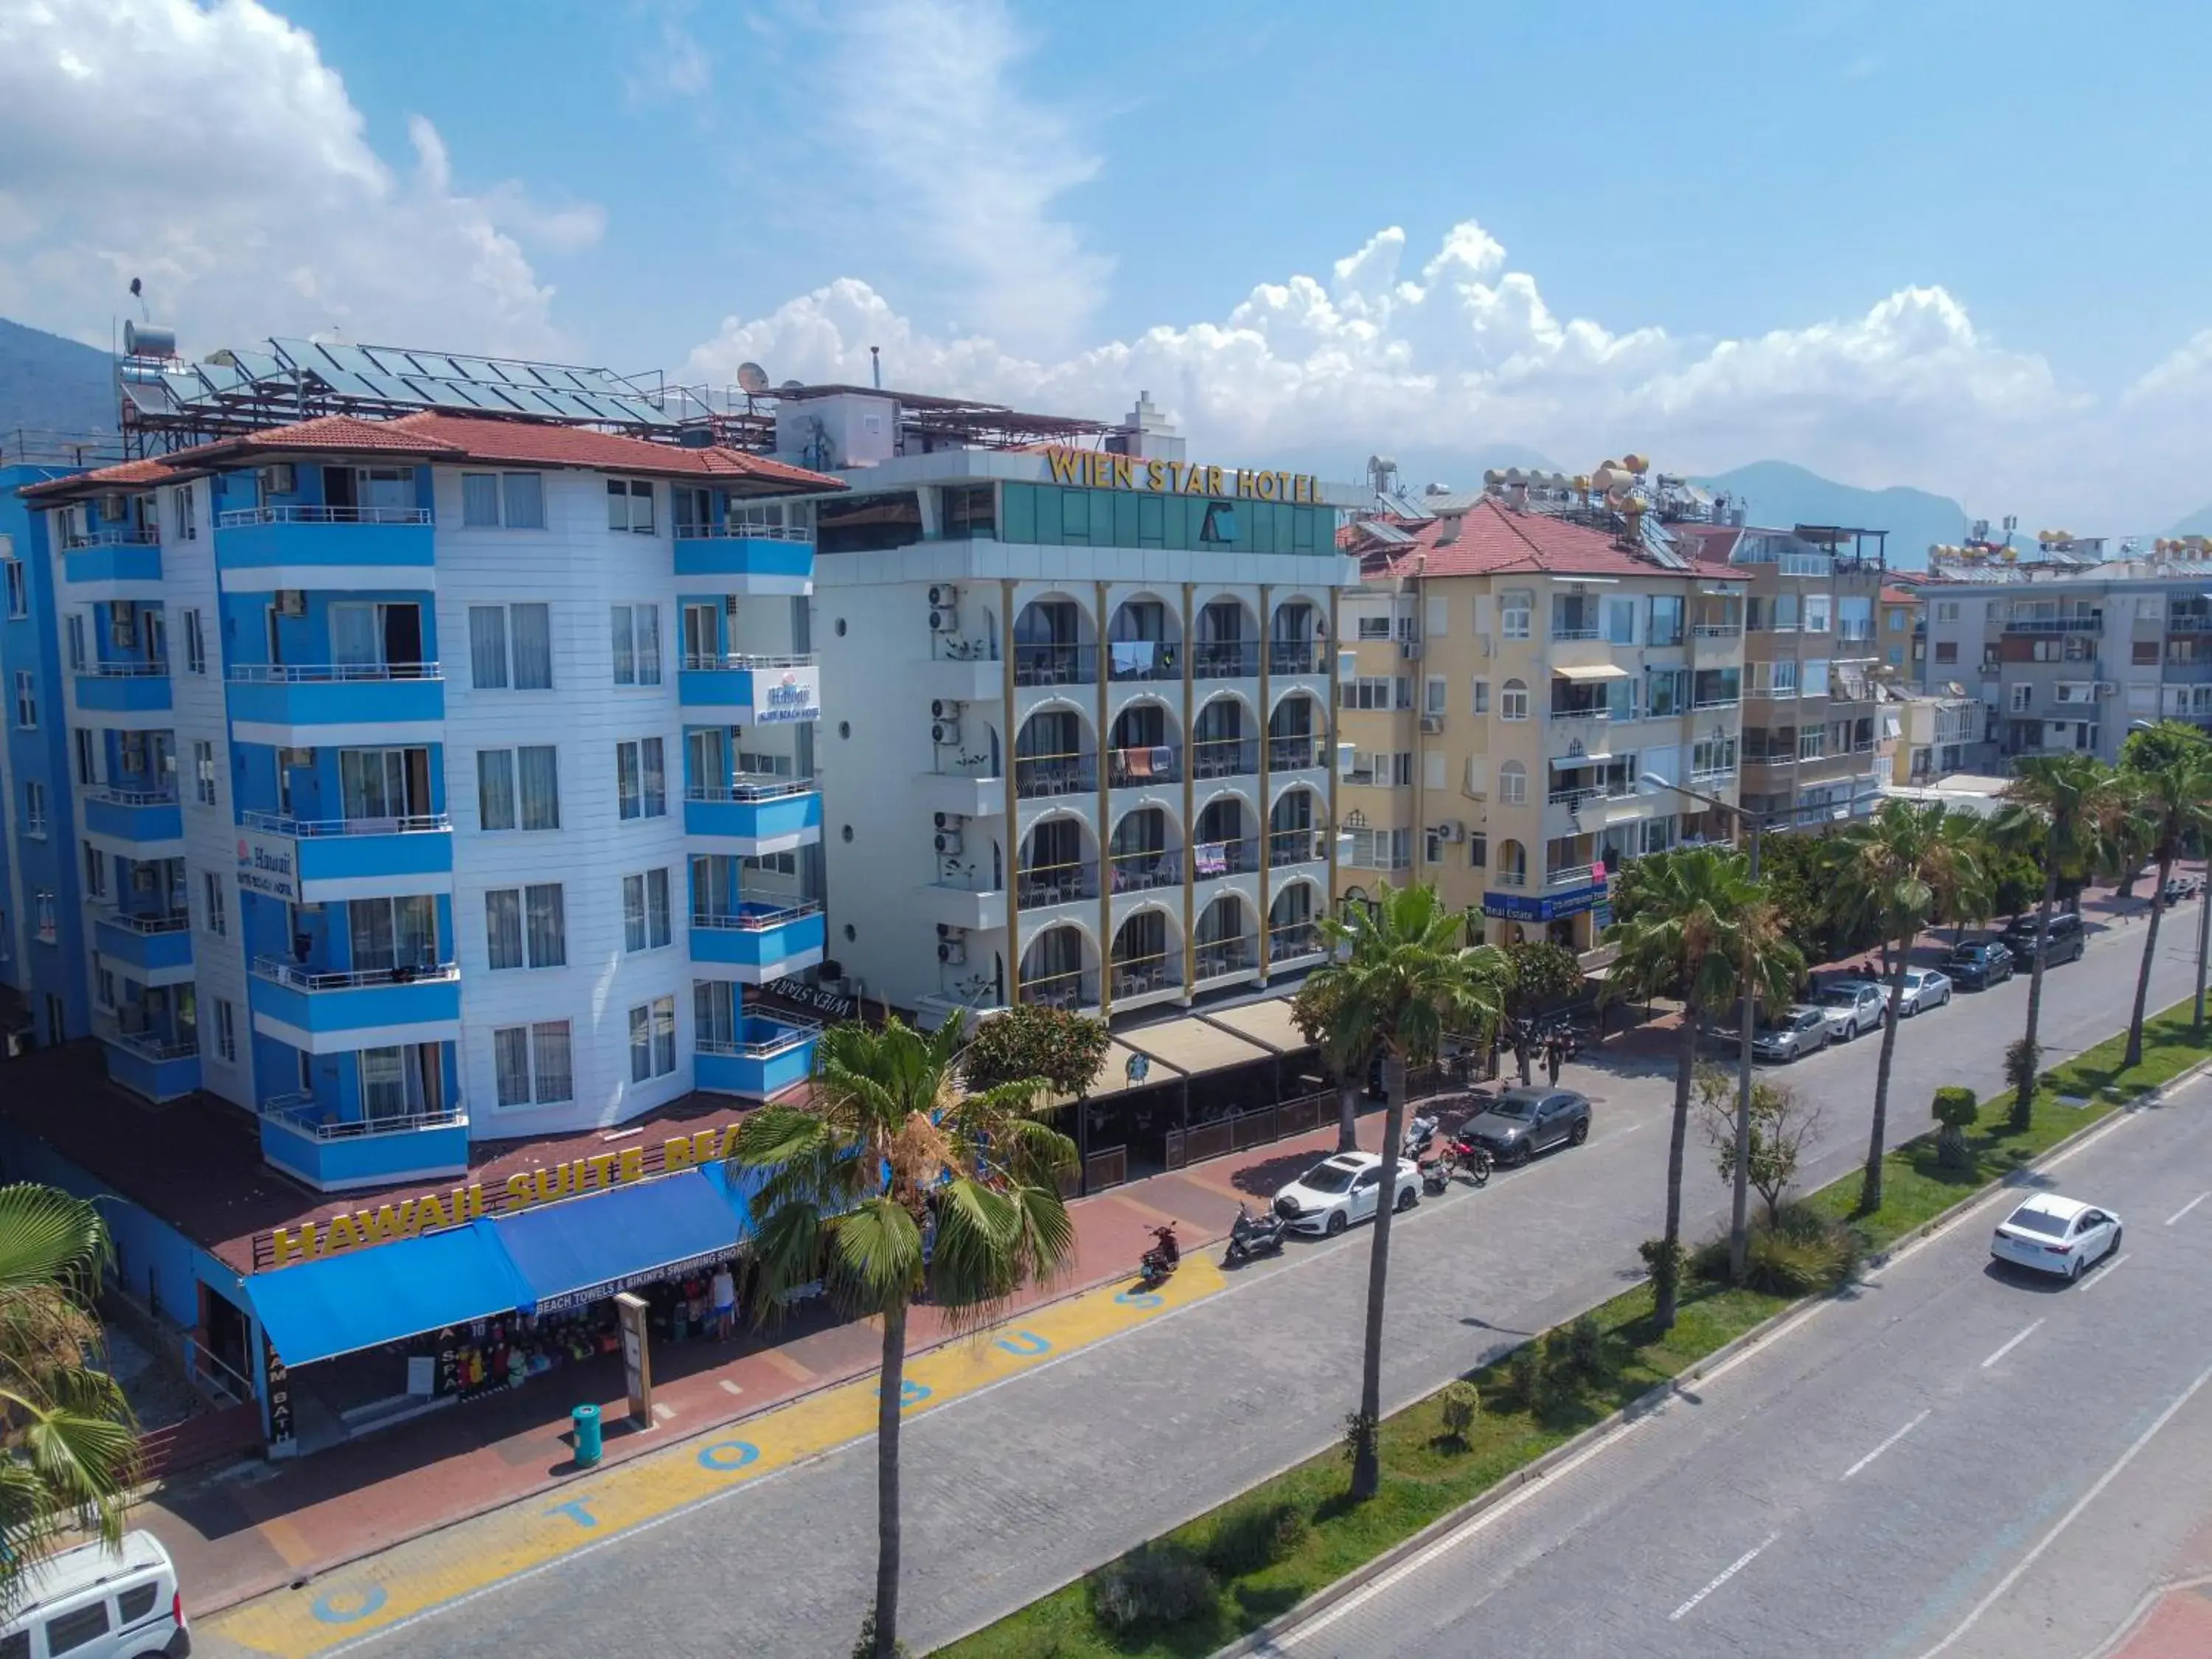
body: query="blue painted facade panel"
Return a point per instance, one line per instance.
(313, 702)
(363, 1160)
(774, 1059)
(745, 556)
(156, 1080)
(762, 946)
(124, 821)
(394, 546)
(362, 1007)
(755, 820)
(147, 952)
(127, 694)
(128, 561)
(335, 857)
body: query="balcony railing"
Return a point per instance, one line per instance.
(750, 532)
(308, 828)
(1505, 878)
(1713, 774)
(2092, 624)
(1577, 631)
(147, 1045)
(1134, 976)
(1717, 630)
(1294, 657)
(1039, 775)
(322, 673)
(1286, 847)
(732, 661)
(1056, 883)
(2188, 624)
(1716, 702)
(115, 535)
(1159, 762)
(238, 518)
(1211, 860)
(1071, 990)
(299, 977)
(755, 915)
(1855, 633)
(1299, 752)
(1225, 659)
(1769, 693)
(1293, 938)
(1225, 757)
(1055, 665)
(1230, 955)
(1581, 711)
(790, 1033)
(1572, 875)
(162, 922)
(127, 670)
(1145, 868)
(1132, 661)
(764, 788)
(115, 797)
(318, 1123)
(1770, 757)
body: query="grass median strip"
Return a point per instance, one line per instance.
(1231, 1570)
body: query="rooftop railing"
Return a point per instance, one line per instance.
(238, 518)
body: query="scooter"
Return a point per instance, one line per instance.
(1253, 1235)
(1419, 1133)
(1161, 1260)
(1436, 1176)
(1468, 1157)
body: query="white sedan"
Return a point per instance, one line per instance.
(2055, 1235)
(1924, 988)
(1341, 1190)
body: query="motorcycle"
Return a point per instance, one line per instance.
(1436, 1176)
(1253, 1235)
(1161, 1260)
(1468, 1157)
(1419, 1134)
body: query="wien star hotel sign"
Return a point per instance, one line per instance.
(1091, 468)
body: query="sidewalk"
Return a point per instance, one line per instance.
(239, 1531)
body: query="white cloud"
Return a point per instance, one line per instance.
(209, 149)
(674, 65)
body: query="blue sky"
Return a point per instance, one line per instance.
(1940, 243)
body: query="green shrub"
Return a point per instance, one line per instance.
(1956, 1110)
(1665, 1263)
(1154, 1586)
(1460, 1404)
(1253, 1536)
(1525, 1375)
(1799, 1252)
(1587, 1351)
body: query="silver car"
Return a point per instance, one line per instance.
(1803, 1031)
(1925, 987)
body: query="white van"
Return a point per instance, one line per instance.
(92, 1602)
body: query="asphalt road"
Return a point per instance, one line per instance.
(1959, 1458)
(1015, 1491)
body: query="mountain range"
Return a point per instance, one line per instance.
(48, 384)
(1780, 493)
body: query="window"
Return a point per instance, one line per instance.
(652, 1040)
(180, 505)
(537, 805)
(1948, 651)
(74, 1629)
(1712, 758)
(1813, 679)
(1513, 784)
(1381, 849)
(1435, 691)
(531, 1064)
(1621, 622)
(637, 643)
(1374, 627)
(195, 644)
(630, 505)
(1785, 612)
(646, 921)
(1478, 850)
(1947, 610)
(1513, 701)
(641, 787)
(136, 1603)
(1667, 692)
(226, 1031)
(18, 587)
(1516, 609)
(26, 700)
(1816, 612)
(1482, 696)
(525, 927)
(1812, 742)
(1376, 693)
(2022, 697)
(1666, 624)
(2146, 651)
(1896, 619)
(44, 925)
(87, 772)
(95, 873)
(529, 628)
(513, 500)
(203, 772)
(73, 636)
(214, 908)
(34, 808)
(1433, 847)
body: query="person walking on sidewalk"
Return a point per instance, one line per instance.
(1555, 1055)
(724, 1298)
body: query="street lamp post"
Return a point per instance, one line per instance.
(1740, 1204)
(2203, 922)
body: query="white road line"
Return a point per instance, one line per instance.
(2010, 1346)
(728, 1386)
(2005, 1583)
(2104, 1272)
(1885, 1446)
(2187, 1207)
(1726, 1573)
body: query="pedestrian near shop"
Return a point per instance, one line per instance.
(726, 1302)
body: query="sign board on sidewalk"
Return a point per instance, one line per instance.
(637, 1357)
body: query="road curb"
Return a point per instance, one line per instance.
(1321, 1600)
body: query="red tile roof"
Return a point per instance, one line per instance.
(1490, 538)
(432, 436)
(1891, 594)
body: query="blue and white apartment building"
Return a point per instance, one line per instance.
(415, 782)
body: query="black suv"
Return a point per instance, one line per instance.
(2065, 942)
(1979, 964)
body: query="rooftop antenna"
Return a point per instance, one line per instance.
(876, 365)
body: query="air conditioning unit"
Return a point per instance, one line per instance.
(944, 733)
(950, 930)
(1451, 830)
(943, 619)
(950, 820)
(291, 601)
(948, 843)
(113, 506)
(1409, 650)
(278, 479)
(944, 598)
(952, 952)
(296, 757)
(942, 708)
(1432, 724)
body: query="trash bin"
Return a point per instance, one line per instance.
(586, 1421)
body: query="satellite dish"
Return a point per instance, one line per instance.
(793, 386)
(753, 378)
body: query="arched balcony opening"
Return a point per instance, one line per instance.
(1144, 641)
(1142, 747)
(1054, 755)
(1228, 647)
(1295, 732)
(1294, 829)
(1145, 852)
(1294, 923)
(1147, 955)
(1295, 638)
(1059, 864)
(1226, 941)
(1224, 741)
(1060, 969)
(1227, 841)
(1512, 864)
(1055, 643)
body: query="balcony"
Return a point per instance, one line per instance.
(965, 900)
(333, 1153)
(752, 817)
(123, 688)
(1135, 662)
(1055, 665)
(118, 554)
(157, 949)
(1302, 846)
(763, 1060)
(1220, 959)
(1225, 757)
(1135, 769)
(762, 940)
(135, 815)
(1300, 752)
(1145, 869)
(1225, 659)
(293, 704)
(1041, 777)
(1042, 886)
(1571, 875)
(1211, 860)
(1147, 975)
(261, 549)
(1297, 657)
(752, 559)
(1074, 989)
(275, 853)
(159, 1069)
(2091, 623)
(1294, 941)
(751, 690)
(1717, 631)
(978, 794)
(328, 1012)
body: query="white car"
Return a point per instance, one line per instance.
(1852, 1005)
(1341, 1190)
(1924, 988)
(92, 1602)
(2055, 1235)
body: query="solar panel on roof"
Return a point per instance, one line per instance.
(1386, 532)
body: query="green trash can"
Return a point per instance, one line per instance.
(586, 1421)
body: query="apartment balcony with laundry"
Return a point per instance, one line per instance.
(150, 1039)
(308, 659)
(363, 1116)
(380, 966)
(752, 921)
(1145, 644)
(1226, 840)
(1143, 747)
(279, 526)
(749, 547)
(727, 809)
(323, 815)
(742, 1050)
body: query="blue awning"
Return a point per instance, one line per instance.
(342, 1303)
(580, 1250)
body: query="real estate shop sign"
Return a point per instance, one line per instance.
(1552, 907)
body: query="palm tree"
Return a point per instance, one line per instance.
(847, 1184)
(2071, 797)
(1705, 931)
(1315, 1011)
(69, 1447)
(1402, 977)
(2173, 803)
(1899, 870)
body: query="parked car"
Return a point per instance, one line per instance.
(1924, 988)
(1852, 1005)
(2067, 939)
(1521, 1122)
(1979, 964)
(92, 1602)
(1803, 1031)
(2055, 1235)
(2179, 889)
(1341, 1190)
